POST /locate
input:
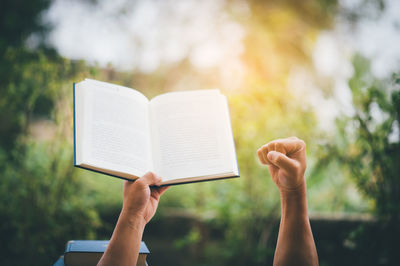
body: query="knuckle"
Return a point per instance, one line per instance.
(139, 182)
(279, 145)
(264, 148)
(150, 173)
(271, 145)
(302, 143)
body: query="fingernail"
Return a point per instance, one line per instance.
(272, 155)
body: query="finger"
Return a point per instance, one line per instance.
(156, 192)
(271, 146)
(292, 145)
(282, 161)
(265, 150)
(150, 179)
(261, 156)
(279, 147)
(161, 190)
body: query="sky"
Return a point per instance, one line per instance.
(141, 35)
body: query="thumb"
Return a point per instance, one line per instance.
(150, 179)
(281, 161)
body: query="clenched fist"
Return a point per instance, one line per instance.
(286, 160)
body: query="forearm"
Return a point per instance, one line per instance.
(124, 245)
(295, 240)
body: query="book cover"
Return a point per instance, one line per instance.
(89, 252)
(96, 246)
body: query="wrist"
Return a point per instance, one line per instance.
(294, 202)
(135, 222)
(299, 191)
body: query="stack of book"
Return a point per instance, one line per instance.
(89, 252)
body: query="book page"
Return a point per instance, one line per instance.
(116, 129)
(191, 135)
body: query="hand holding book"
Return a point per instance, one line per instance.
(141, 197)
(140, 201)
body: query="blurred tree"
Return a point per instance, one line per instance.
(38, 208)
(368, 146)
(23, 78)
(18, 20)
(373, 149)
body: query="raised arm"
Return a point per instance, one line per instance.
(286, 160)
(139, 206)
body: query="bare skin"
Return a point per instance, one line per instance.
(139, 206)
(286, 160)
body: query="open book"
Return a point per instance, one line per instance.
(181, 136)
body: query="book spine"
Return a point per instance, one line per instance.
(68, 246)
(74, 118)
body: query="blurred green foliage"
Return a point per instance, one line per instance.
(368, 148)
(39, 209)
(18, 20)
(371, 138)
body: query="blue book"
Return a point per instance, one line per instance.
(59, 262)
(89, 252)
(183, 137)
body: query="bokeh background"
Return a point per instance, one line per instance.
(327, 71)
